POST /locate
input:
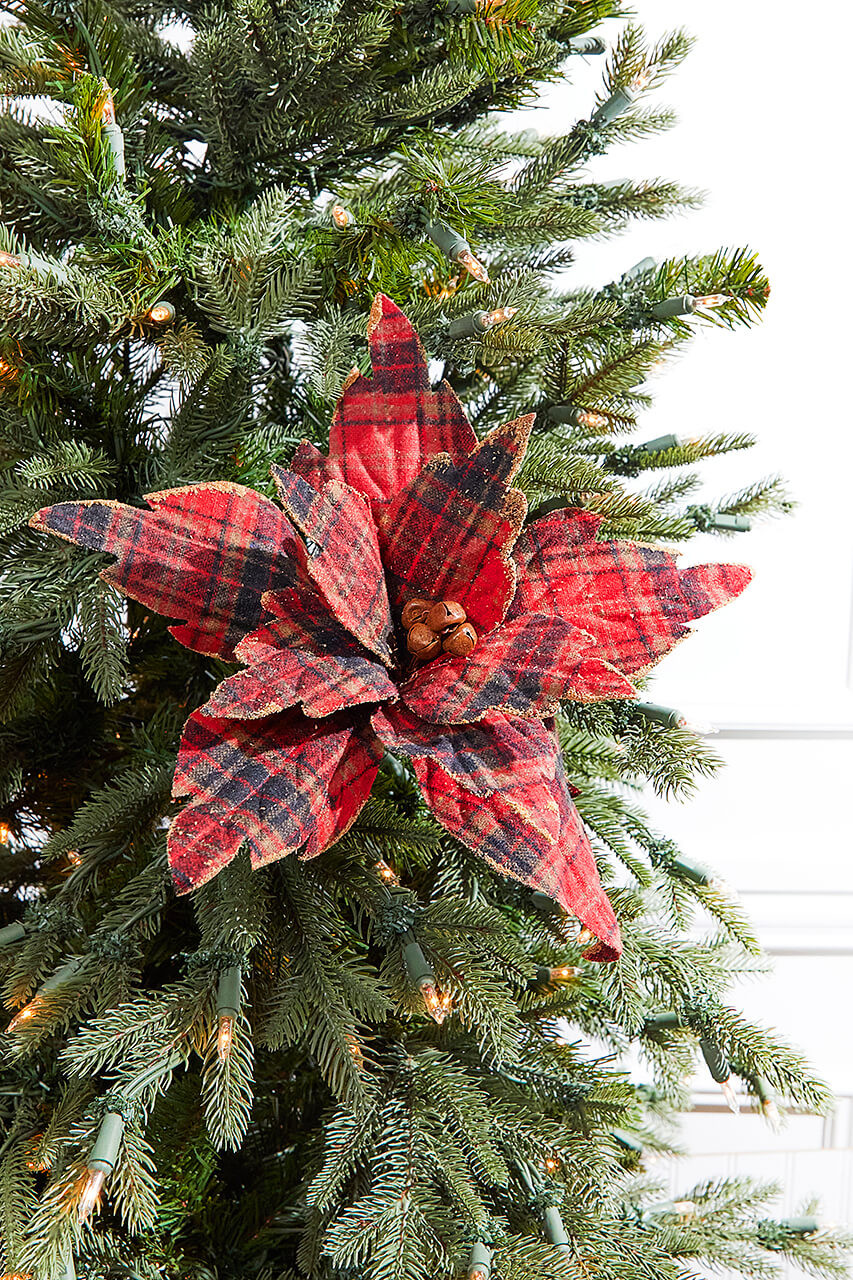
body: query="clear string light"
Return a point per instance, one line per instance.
(465, 259)
(161, 313)
(229, 995)
(341, 217)
(386, 872)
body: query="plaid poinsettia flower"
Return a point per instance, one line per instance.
(408, 505)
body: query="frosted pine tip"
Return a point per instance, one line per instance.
(90, 1195)
(161, 312)
(472, 265)
(730, 1095)
(437, 1005)
(24, 1015)
(712, 300)
(9, 259)
(341, 217)
(225, 1037)
(386, 873)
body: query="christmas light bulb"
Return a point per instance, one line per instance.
(585, 937)
(4, 833)
(340, 216)
(74, 858)
(437, 1005)
(730, 1095)
(478, 1273)
(686, 1209)
(24, 1015)
(565, 973)
(712, 300)
(161, 312)
(589, 418)
(465, 258)
(499, 316)
(354, 1047)
(229, 994)
(702, 728)
(112, 133)
(771, 1114)
(9, 259)
(108, 110)
(225, 1037)
(386, 873)
(551, 1165)
(91, 1194)
(17, 1275)
(639, 82)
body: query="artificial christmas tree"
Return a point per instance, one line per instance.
(367, 693)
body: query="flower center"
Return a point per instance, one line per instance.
(437, 626)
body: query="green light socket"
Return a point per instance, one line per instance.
(555, 1232)
(672, 307)
(107, 1144)
(229, 992)
(12, 933)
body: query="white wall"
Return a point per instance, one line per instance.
(764, 112)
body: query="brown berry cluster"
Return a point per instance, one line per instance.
(434, 627)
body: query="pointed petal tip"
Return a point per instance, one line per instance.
(708, 587)
(382, 309)
(605, 952)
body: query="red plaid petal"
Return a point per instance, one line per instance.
(631, 598)
(386, 427)
(311, 464)
(523, 668)
(283, 784)
(205, 553)
(344, 560)
(494, 754)
(534, 835)
(449, 534)
(301, 656)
